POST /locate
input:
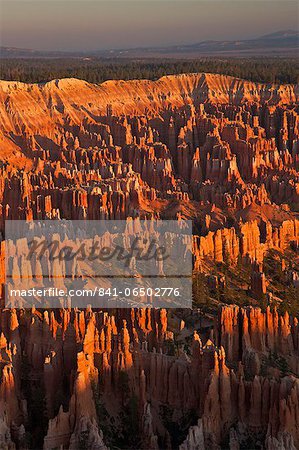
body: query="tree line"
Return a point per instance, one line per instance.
(96, 70)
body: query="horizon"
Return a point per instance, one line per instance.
(73, 26)
(139, 47)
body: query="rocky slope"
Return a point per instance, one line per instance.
(220, 151)
(95, 363)
(40, 109)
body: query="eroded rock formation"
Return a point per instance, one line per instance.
(230, 385)
(220, 151)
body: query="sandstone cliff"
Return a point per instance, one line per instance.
(86, 354)
(220, 151)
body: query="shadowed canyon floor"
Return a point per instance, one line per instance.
(220, 151)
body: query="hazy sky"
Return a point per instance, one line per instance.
(91, 25)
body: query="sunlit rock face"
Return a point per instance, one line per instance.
(221, 151)
(81, 358)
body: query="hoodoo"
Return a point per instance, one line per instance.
(218, 150)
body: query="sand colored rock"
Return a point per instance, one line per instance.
(220, 151)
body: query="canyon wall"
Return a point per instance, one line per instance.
(225, 381)
(220, 151)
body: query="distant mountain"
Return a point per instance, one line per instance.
(280, 43)
(13, 52)
(282, 34)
